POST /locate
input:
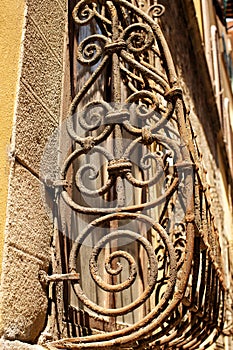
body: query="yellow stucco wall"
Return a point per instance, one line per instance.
(11, 25)
(197, 4)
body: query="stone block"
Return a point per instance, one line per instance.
(41, 69)
(17, 345)
(49, 17)
(23, 299)
(34, 127)
(29, 227)
(40, 89)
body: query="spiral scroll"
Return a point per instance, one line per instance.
(128, 235)
(84, 11)
(156, 10)
(89, 52)
(138, 37)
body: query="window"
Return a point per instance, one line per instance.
(216, 68)
(139, 245)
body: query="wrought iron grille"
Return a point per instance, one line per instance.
(149, 212)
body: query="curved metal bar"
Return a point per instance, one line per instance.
(161, 122)
(89, 53)
(143, 69)
(149, 319)
(82, 10)
(156, 10)
(156, 177)
(108, 129)
(132, 208)
(96, 118)
(159, 37)
(122, 286)
(86, 191)
(77, 153)
(91, 167)
(130, 35)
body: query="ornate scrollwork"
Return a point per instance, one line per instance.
(139, 131)
(84, 11)
(138, 37)
(146, 163)
(91, 49)
(91, 118)
(128, 235)
(123, 166)
(93, 115)
(156, 10)
(93, 174)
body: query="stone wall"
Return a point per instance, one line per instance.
(28, 229)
